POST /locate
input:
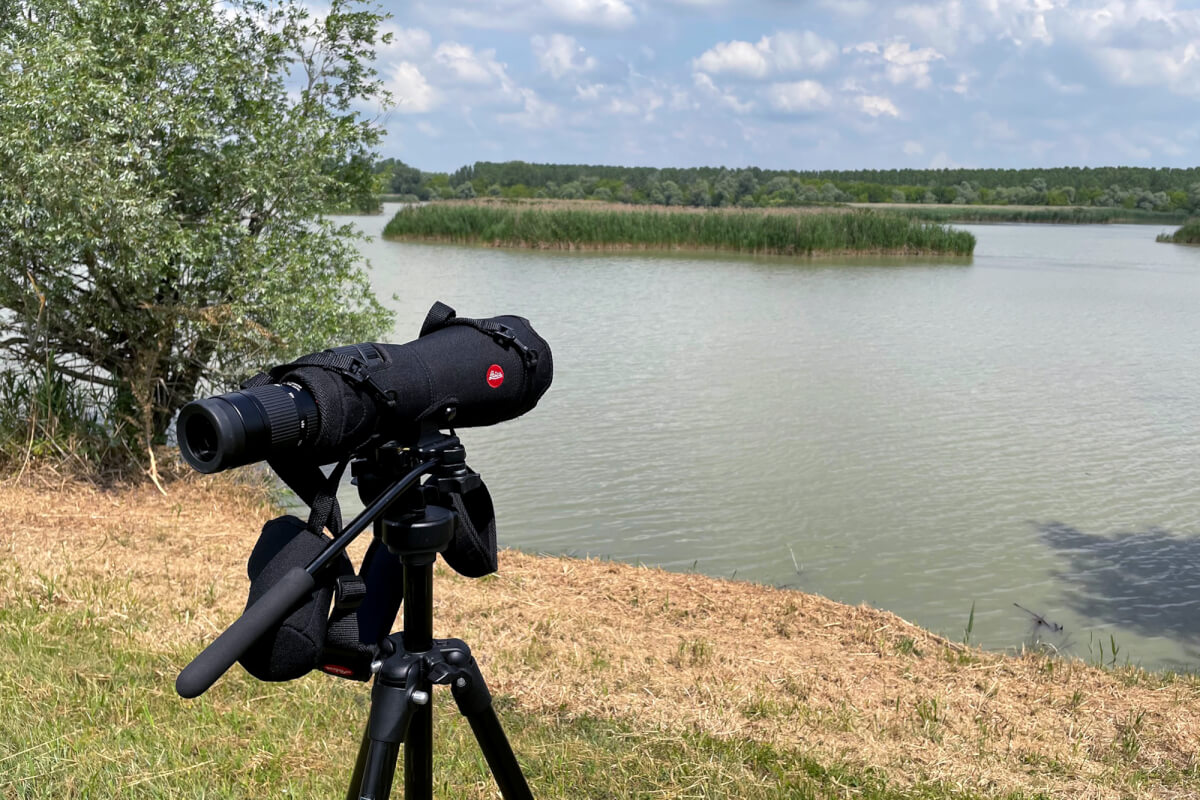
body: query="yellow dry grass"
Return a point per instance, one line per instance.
(684, 652)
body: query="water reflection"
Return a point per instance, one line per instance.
(1147, 581)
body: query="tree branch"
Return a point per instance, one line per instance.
(83, 376)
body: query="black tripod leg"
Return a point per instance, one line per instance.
(354, 793)
(394, 699)
(378, 769)
(418, 755)
(475, 703)
(499, 754)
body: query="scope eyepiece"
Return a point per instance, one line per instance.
(239, 428)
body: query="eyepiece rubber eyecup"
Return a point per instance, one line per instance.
(212, 435)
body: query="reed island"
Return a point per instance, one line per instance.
(1188, 234)
(586, 225)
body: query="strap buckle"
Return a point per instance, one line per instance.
(506, 336)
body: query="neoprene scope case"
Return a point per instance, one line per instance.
(480, 371)
(294, 648)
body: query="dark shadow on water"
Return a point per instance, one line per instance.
(1147, 581)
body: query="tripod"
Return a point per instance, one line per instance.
(408, 664)
(412, 662)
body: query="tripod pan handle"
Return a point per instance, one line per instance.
(259, 618)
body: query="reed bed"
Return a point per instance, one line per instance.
(743, 232)
(1188, 234)
(1066, 215)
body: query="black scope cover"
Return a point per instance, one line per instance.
(482, 377)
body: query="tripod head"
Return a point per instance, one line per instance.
(451, 513)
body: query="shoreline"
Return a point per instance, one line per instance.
(627, 247)
(648, 650)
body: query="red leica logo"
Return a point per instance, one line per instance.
(338, 669)
(495, 376)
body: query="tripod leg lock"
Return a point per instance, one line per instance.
(451, 663)
(394, 700)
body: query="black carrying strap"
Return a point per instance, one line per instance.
(344, 653)
(352, 362)
(472, 551)
(441, 315)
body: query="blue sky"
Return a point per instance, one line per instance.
(818, 84)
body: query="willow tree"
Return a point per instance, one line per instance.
(163, 168)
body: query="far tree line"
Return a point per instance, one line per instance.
(1147, 189)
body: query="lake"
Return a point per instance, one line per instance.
(921, 435)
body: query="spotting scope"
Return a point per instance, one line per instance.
(326, 406)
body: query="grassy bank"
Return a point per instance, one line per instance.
(1188, 234)
(1066, 215)
(586, 226)
(613, 681)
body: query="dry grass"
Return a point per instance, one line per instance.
(569, 637)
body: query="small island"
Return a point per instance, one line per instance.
(588, 225)
(1188, 234)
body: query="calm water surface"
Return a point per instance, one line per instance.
(917, 434)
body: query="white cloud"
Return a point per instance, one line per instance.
(412, 92)
(535, 112)
(502, 15)
(794, 51)
(682, 101)
(912, 148)
(598, 13)
(411, 43)
(1178, 69)
(1059, 86)
(798, 97)
(943, 23)
(1127, 147)
(783, 52)
(561, 55)
(469, 67)
(727, 99)
(877, 106)
(619, 105)
(1022, 20)
(590, 91)
(905, 65)
(930, 17)
(993, 129)
(642, 103)
(737, 58)
(847, 8)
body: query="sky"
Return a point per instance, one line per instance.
(814, 84)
